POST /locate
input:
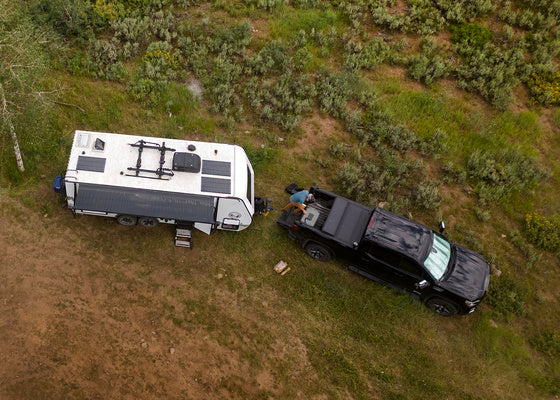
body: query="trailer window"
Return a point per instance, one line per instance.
(249, 185)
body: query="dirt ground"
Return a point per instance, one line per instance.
(77, 320)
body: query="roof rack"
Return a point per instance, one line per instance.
(161, 173)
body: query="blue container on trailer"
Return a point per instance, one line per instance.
(58, 184)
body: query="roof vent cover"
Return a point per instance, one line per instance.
(186, 162)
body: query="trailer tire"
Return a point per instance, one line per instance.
(127, 220)
(147, 222)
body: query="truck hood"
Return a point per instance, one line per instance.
(470, 275)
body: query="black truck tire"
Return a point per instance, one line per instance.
(442, 307)
(318, 251)
(127, 220)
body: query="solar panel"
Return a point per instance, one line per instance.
(215, 185)
(221, 168)
(94, 164)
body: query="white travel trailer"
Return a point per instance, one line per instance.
(146, 181)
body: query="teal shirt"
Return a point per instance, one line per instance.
(299, 197)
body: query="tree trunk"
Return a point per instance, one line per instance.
(8, 121)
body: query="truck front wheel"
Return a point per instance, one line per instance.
(442, 306)
(127, 220)
(318, 252)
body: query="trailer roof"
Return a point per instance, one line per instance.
(131, 161)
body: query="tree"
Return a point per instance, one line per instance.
(22, 66)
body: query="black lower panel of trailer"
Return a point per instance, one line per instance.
(145, 203)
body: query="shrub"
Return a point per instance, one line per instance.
(273, 57)
(426, 195)
(334, 91)
(132, 34)
(545, 89)
(435, 144)
(543, 232)
(282, 102)
(547, 342)
(474, 35)
(533, 257)
(368, 56)
(432, 63)
(500, 173)
(506, 296)
(491, 71)
(68, 17)
(104, 60)
(453, 174)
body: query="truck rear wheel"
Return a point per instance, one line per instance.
(127, 220)
(318, 252)
(147, 222)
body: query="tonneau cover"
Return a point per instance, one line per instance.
(347, 221)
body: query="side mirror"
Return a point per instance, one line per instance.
(422, 284)
(442, 228)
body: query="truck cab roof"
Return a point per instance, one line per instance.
(398, 233)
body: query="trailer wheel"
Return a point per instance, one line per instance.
(127, 220)
(147, 222)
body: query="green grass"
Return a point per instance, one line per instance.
(320, 331)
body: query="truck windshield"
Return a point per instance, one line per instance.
(438, 258)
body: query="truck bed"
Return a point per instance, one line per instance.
(331, 216)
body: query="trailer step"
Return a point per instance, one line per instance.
(183, 235)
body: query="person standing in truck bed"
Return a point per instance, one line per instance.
(298, 199)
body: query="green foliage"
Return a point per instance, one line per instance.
(436, 144)
(375, 128)
(260, 156)
(104, 60)
(426, 195)
(533, 19)
(506, 296)
(268, 5)
(474, 35)
(334, 91)
(68, 17)
(498, 174)
(432, 63)
(220, 87)
(547, 342)
(369, 56)
(453, 173)
(156, 70)
(545, 89)
(491, 71)
(132, 33)
(528, 250)
(543, 232)
(273, 57)
(282, 102)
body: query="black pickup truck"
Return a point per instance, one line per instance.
(391, 250)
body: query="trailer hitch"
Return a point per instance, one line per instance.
(262, 206)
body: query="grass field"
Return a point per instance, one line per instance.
(91, 309)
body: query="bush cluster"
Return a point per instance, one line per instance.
(543, 232)
(284, 101)
(545, 89)
(430, 64)
(507, 296)
(333, 92)
(498, 174)
(547, 342)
